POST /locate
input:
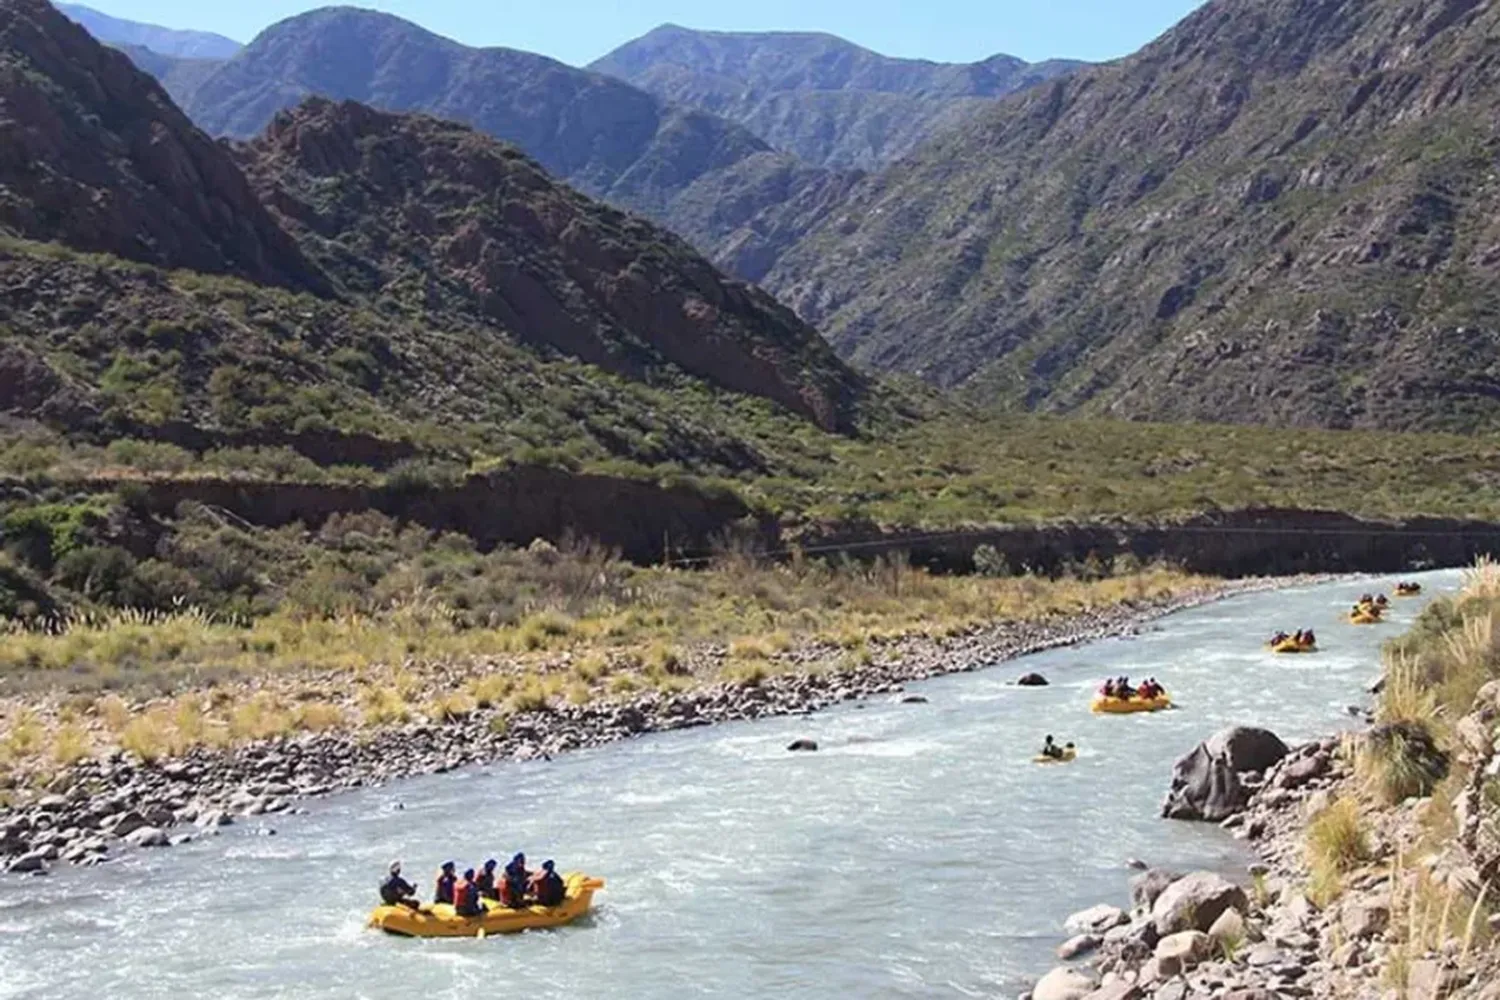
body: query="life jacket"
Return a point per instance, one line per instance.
(465, 896)
(444, 891)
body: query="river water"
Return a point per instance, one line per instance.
(919, 853)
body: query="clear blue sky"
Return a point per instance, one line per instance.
(578, 31)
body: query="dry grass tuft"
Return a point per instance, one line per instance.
(1336, 844)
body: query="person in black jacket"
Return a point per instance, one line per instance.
(548, 886)
(486, 880)
(443, 892)
(396, 891)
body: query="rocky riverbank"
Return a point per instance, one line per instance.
(1395, 924)
(99, 805)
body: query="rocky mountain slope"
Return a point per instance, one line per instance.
(166, 41)
(1282, 210)
(440, 212)
(439, 294)
(95, 155)
(709, 180)
(823, 99)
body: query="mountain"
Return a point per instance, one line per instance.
(178, 76)
(823, 99)
(1281, 211)
(444, 212)
(95, 155)
(709, 180)
(166, 41)
(387, 286)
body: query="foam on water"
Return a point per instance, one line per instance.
(919, 853)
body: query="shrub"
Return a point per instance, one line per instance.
(1336, 843)
(70, 745)
(1401, 760)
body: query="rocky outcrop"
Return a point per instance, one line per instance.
(489, 232)
(1207, 784)
(1194, 902)
(95, 155)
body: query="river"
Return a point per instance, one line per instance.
(919, 853)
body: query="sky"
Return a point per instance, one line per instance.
(579, 31)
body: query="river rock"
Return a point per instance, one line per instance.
(1300, 772)
(1247, 748)
(1204, 787)
(1119, 989)
(914, 699)
(1229, 929)
(148, 836)
(1080, 944)
(1096, 919)
(1147, 886)
(802, 745)
(1194, 902)
(1177, 953)
(1032, 680)
(52, 803)
(1063, 983)
(213, 818)
(31, 861)
(124, 824)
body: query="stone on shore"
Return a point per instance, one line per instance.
(1147, 886)
(1194, 902)
(148, 836)
(1180, 952)
(1247, 748)
(1096, 919)
(1207, 783)
(1064, 983)
(1077, 946)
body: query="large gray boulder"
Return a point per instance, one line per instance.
(1247, 748)
(1204, 787)
(1206, 782)
(1194, 902)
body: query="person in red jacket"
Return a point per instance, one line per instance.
(466, 896)
(548, 886)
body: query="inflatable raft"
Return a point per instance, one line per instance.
(440, 920)
(1293, 646)
(1364, 618)
(1127, 706)
(1408, 589)
(1069, 753)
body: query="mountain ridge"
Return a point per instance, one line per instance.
(1279, 211)
(175, 42)
(820, 97)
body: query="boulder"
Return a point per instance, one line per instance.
(1138, 938)
(213, 818)
(31, 861)
(1178, 953)
(1194, 902)
(148, 836)
(1145, 887)
(1229, 929)
(1204, 787)
(1247, 748)
(1080, 944)
(914, 699)
(1032, 680)
(1096, 919)
(124, 824)
(1064, 983)
(1300, 772)
(802, 745)
(1363, 918)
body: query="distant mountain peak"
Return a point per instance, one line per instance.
(166, 41)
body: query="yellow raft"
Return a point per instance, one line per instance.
(440, 920)
(1293, 646)
(1364, 618)
(1408, 589)
(1069, 753)
(1126, 706)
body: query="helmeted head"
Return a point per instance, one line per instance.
(1049, 737)
(448, 867)
(519, 859)
(395, 868)
(489, 865)
(469, 874)
(547, 865)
